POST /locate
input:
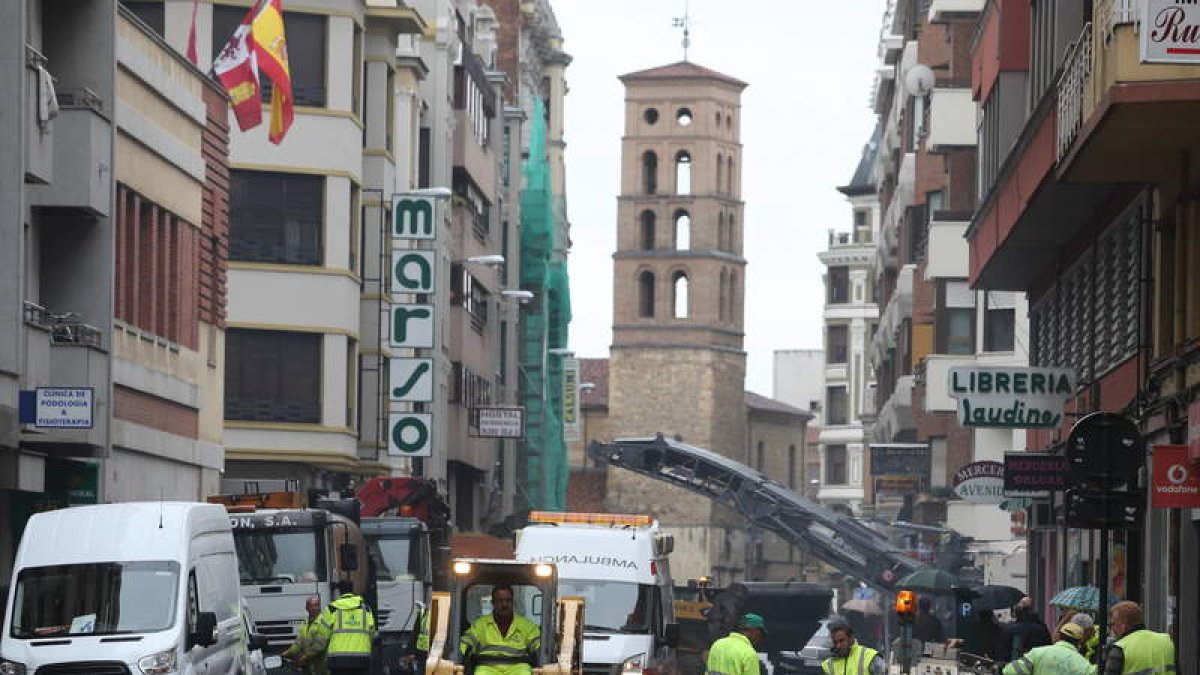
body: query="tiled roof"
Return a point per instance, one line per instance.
(594, 371)
(759, 402)
(681, 70)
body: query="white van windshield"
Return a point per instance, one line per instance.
(95, 599)
(279, 556)
(617, 606)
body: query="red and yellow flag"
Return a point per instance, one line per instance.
(235, 68)
(270, 45)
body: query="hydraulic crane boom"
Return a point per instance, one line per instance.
(838, 540)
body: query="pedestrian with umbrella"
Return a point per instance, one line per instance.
(1021, 635)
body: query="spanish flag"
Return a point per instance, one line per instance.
(270, 46)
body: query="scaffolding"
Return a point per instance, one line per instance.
(542, 457)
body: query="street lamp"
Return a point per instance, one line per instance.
(491, 260)
(560, 351)
(517, 294)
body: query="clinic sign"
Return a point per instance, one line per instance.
(58, 407)
(412, 284)
(1170, 31)
(1010, 398)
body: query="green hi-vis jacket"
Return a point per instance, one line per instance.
(512, 653)
(349, 626)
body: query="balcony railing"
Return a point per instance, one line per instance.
(1072, 85)
(66, 329)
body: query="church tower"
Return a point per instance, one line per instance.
(677, 364)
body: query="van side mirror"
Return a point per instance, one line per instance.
(349, 557)
(671, 635)
(204, 633)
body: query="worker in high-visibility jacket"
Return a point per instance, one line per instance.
(850, 657)
(737, 653)
(1137, 649)
(501, 643)
(1061, 658)
(349, 628)
(308, 651)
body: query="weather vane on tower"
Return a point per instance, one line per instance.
(684, 22)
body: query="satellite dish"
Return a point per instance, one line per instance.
(919, 80)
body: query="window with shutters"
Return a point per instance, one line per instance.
(306, 47)
(999, 321)
(272, 376)
(955, 318)
(835, 465)
(276, 218)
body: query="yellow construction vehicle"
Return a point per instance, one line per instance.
(535, 597)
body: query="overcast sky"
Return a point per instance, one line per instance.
(805, 118)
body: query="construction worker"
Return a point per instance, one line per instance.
(308, 651)
(1091, 637)
(501, 643)
(1137, 650)
(850, 657)
(737, 653)
(348, 626)
(1060, 658)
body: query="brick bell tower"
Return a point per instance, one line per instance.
(677, 364)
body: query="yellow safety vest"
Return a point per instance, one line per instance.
(732, 655)
(857, 662)
(423, 634)
(497, 654)
(348, 624)
(1060, 658)
(310, 642)
(1147, 652)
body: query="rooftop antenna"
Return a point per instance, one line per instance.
(684, 22)
(161, 496)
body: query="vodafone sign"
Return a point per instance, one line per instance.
(1176, 484)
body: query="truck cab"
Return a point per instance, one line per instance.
(398, 560)
(618, 564)
(535, 595)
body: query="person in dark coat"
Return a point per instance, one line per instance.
(1018, 637)
(927, 627)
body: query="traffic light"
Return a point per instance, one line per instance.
(906, 605)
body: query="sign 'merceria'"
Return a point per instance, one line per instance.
(1014, 398)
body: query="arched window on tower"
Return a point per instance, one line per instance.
(647, 230)
(731, 234)
(646, 295)
(720, 171)
(683, 230)
(722, 306)
(679, 286)
(649, 172)
(729, 175)
(731, 312)
(721, 238)
(683, 173)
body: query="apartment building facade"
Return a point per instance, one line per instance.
(118, 238)
(1087, 192)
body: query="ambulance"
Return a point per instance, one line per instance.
(618, 564)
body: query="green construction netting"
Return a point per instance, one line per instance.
(542, 459)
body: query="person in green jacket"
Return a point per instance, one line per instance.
(501, 643)
(737, 653)
(1137, 649)
(850, 657)
(308, 651)
(348, 626)
(1091, 637)
(1060, 658)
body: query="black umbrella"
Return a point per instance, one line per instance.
(995, 597)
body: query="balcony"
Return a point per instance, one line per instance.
(83, 141)
(898, 309)
(945, 10)
(896, 414)
(39, 133)
(947, 249)
(889, 235)
(952, 118)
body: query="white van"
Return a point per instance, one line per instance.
(133, 588)
(618, 563)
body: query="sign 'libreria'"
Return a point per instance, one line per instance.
(1012, 398)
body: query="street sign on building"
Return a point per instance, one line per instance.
(980, 482)
(900, 459)
(414, 271)
(410, 434)
(411, 326)
(499, 421)
(414, 216)
(1030, 473)
(1168, 32)
(570, 399)
(1010, 398)
(57, 407)
(1176, 484)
